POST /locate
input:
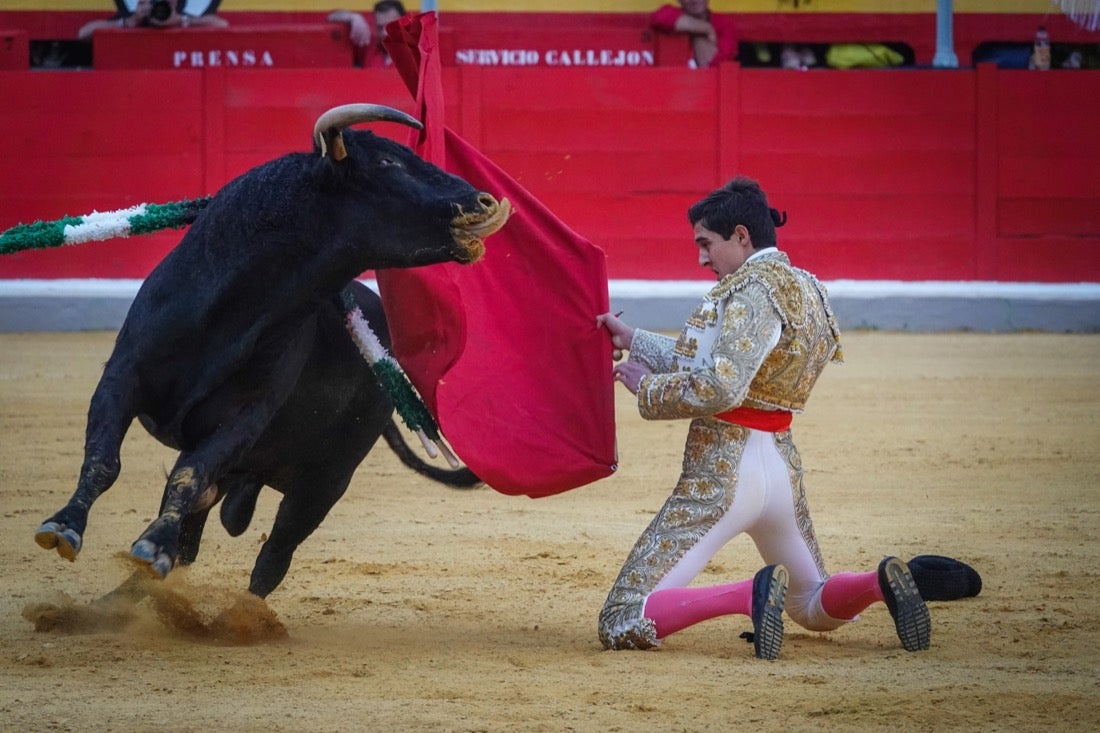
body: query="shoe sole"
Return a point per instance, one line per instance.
(768, 635)
(911, 619)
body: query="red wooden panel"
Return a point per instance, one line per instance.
(256, 47)
(1040, 128)
(40, 135)
(911, 133)
(864, 174)
(14, 49)
(273, 112)
(269, 131)
(856, 92)
(1062, 175)
(573, 130)
(841, 215)
(80, 92)
(1048, 259)
(613, 91)
(316, 89)
(638, 258)
(1032, 217)
(105, 179)
(50, 24)
(273, 131)
(1021, 93)
(624, 214)
(882, 256)
(603, 171)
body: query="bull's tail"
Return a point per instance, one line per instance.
(459, 478)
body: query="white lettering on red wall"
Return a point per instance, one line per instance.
(221, 57)
(553, 57)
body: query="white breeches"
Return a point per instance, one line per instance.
(769, 506)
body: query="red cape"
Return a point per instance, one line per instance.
(505, 352)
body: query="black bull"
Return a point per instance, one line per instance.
(235, 350)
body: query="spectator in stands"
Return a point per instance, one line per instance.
(713, 37)
(158, 14)
(368, 43)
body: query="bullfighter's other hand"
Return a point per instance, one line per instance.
(622, 335)
(630, 373)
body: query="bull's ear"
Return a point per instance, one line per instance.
(331, 141)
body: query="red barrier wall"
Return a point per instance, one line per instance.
(567, 30)
(912, 175)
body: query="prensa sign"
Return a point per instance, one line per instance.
(215, 57)
(285, 47)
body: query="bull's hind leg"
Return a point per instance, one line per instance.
(305, 504)
(109, 417)
(229, 490)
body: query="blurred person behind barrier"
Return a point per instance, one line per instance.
(713, 37)
(369, 50)
(158, 14)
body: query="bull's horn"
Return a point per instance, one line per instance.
(330, 123)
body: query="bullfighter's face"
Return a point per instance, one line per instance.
(723, 256)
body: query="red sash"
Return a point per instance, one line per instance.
(770, 421)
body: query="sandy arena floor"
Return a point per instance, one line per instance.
(417, 608)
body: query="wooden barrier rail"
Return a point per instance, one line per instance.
(980, 174)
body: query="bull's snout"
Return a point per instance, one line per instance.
(486, 201)
(469, 228)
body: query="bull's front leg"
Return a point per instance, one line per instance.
(109, 416)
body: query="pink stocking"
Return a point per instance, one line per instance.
(846, 594)
(673, 609)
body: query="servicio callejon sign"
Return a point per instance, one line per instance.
(553, 57)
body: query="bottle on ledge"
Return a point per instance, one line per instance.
(1040, 52)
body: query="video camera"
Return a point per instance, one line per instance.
(161, 10)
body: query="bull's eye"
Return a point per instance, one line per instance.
(386, 161)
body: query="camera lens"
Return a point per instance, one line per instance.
(160, 10)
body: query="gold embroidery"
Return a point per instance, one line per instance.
(787, 376)
(687, 348)
(785, 445)
(702, 496)
(653, 350)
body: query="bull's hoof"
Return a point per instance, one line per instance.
(151, 557)
(66, 541)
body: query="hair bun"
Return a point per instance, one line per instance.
(779, 219)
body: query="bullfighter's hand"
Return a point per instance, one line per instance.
(622, 335)
(630, 373)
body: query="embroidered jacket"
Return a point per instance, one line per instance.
(760, 338)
